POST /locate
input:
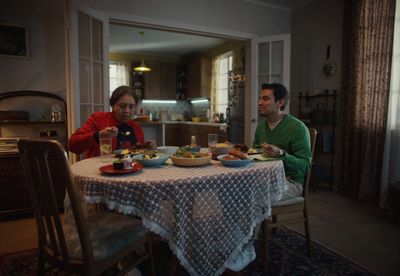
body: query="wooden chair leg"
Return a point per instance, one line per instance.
(173, 265)
(41, 264)
(307, 232)
(274, 220)
(149, 250)
(264, 245)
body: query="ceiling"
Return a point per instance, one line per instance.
(126, 38)
(288, 5)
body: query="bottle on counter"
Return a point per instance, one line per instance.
(193, 141)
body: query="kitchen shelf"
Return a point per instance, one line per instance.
(37, 104)
(321, 115)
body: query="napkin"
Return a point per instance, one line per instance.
(261, 157)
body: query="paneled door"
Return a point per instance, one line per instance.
(88, 46)
(274, 61)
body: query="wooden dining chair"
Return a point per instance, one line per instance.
(95, 243)
(296, 208)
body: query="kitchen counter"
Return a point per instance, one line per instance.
(184, 122)
(157, 130)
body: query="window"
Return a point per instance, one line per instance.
(119, 75)
(224, 65)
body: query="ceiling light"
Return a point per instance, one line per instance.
(142, 67)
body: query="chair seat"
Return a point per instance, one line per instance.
(291, 201)
(109, 234)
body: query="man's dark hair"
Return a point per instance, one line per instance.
(122, 91)
(280, 92)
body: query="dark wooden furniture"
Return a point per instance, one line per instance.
(319, 111)
(14, 199)
(91, 243)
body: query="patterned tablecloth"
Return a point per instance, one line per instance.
(207, 213)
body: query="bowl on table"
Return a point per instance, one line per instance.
(155, 160)
(191, 161)
(230, 161)
(220, 148)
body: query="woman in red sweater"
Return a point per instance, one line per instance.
(116, 124)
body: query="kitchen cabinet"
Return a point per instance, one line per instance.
(138, 83)
(160, 82)
(172, 136)
(199, 78)
(181, 82)
(152, 82)
(167, 81)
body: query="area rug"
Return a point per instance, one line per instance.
(287, 255)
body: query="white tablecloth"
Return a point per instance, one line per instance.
(206, 213)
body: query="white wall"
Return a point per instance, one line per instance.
(314, 27)
(45, 68)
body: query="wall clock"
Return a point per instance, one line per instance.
(328, 69)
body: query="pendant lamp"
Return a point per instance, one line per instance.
(142, 67)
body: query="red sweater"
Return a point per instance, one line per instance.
(83, 141)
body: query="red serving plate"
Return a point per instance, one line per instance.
(109, 169)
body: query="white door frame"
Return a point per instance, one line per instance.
(254, 68)
(72, 49)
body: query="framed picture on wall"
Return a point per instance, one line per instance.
(13, 41)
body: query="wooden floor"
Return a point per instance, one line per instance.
(358, 232)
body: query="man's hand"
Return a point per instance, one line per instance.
(108, 132)
(271, 150)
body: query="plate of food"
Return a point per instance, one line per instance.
(151, 160)
(233, 161)
(186, 158)
(111, 169)
(234, 158)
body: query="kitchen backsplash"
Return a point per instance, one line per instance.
(178, 108)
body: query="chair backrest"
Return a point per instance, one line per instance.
(45, 165)
(313, 138)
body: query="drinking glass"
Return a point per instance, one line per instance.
(212, 139)
(106, 147)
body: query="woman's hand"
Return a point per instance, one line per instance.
(108, 132)
(271, 150)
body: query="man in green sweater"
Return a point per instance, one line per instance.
(284, 136)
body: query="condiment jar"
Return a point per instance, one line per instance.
(127, 160)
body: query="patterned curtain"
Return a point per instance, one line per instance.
(367, 51)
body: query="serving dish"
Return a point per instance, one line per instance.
(233, 163)
(190, 162)
(158, 160)
(220, 149)
(109, 169)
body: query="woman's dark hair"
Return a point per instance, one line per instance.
(280, 92)
(122, 91)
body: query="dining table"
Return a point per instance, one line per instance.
(206, 213)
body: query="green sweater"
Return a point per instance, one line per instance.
(293, 137)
